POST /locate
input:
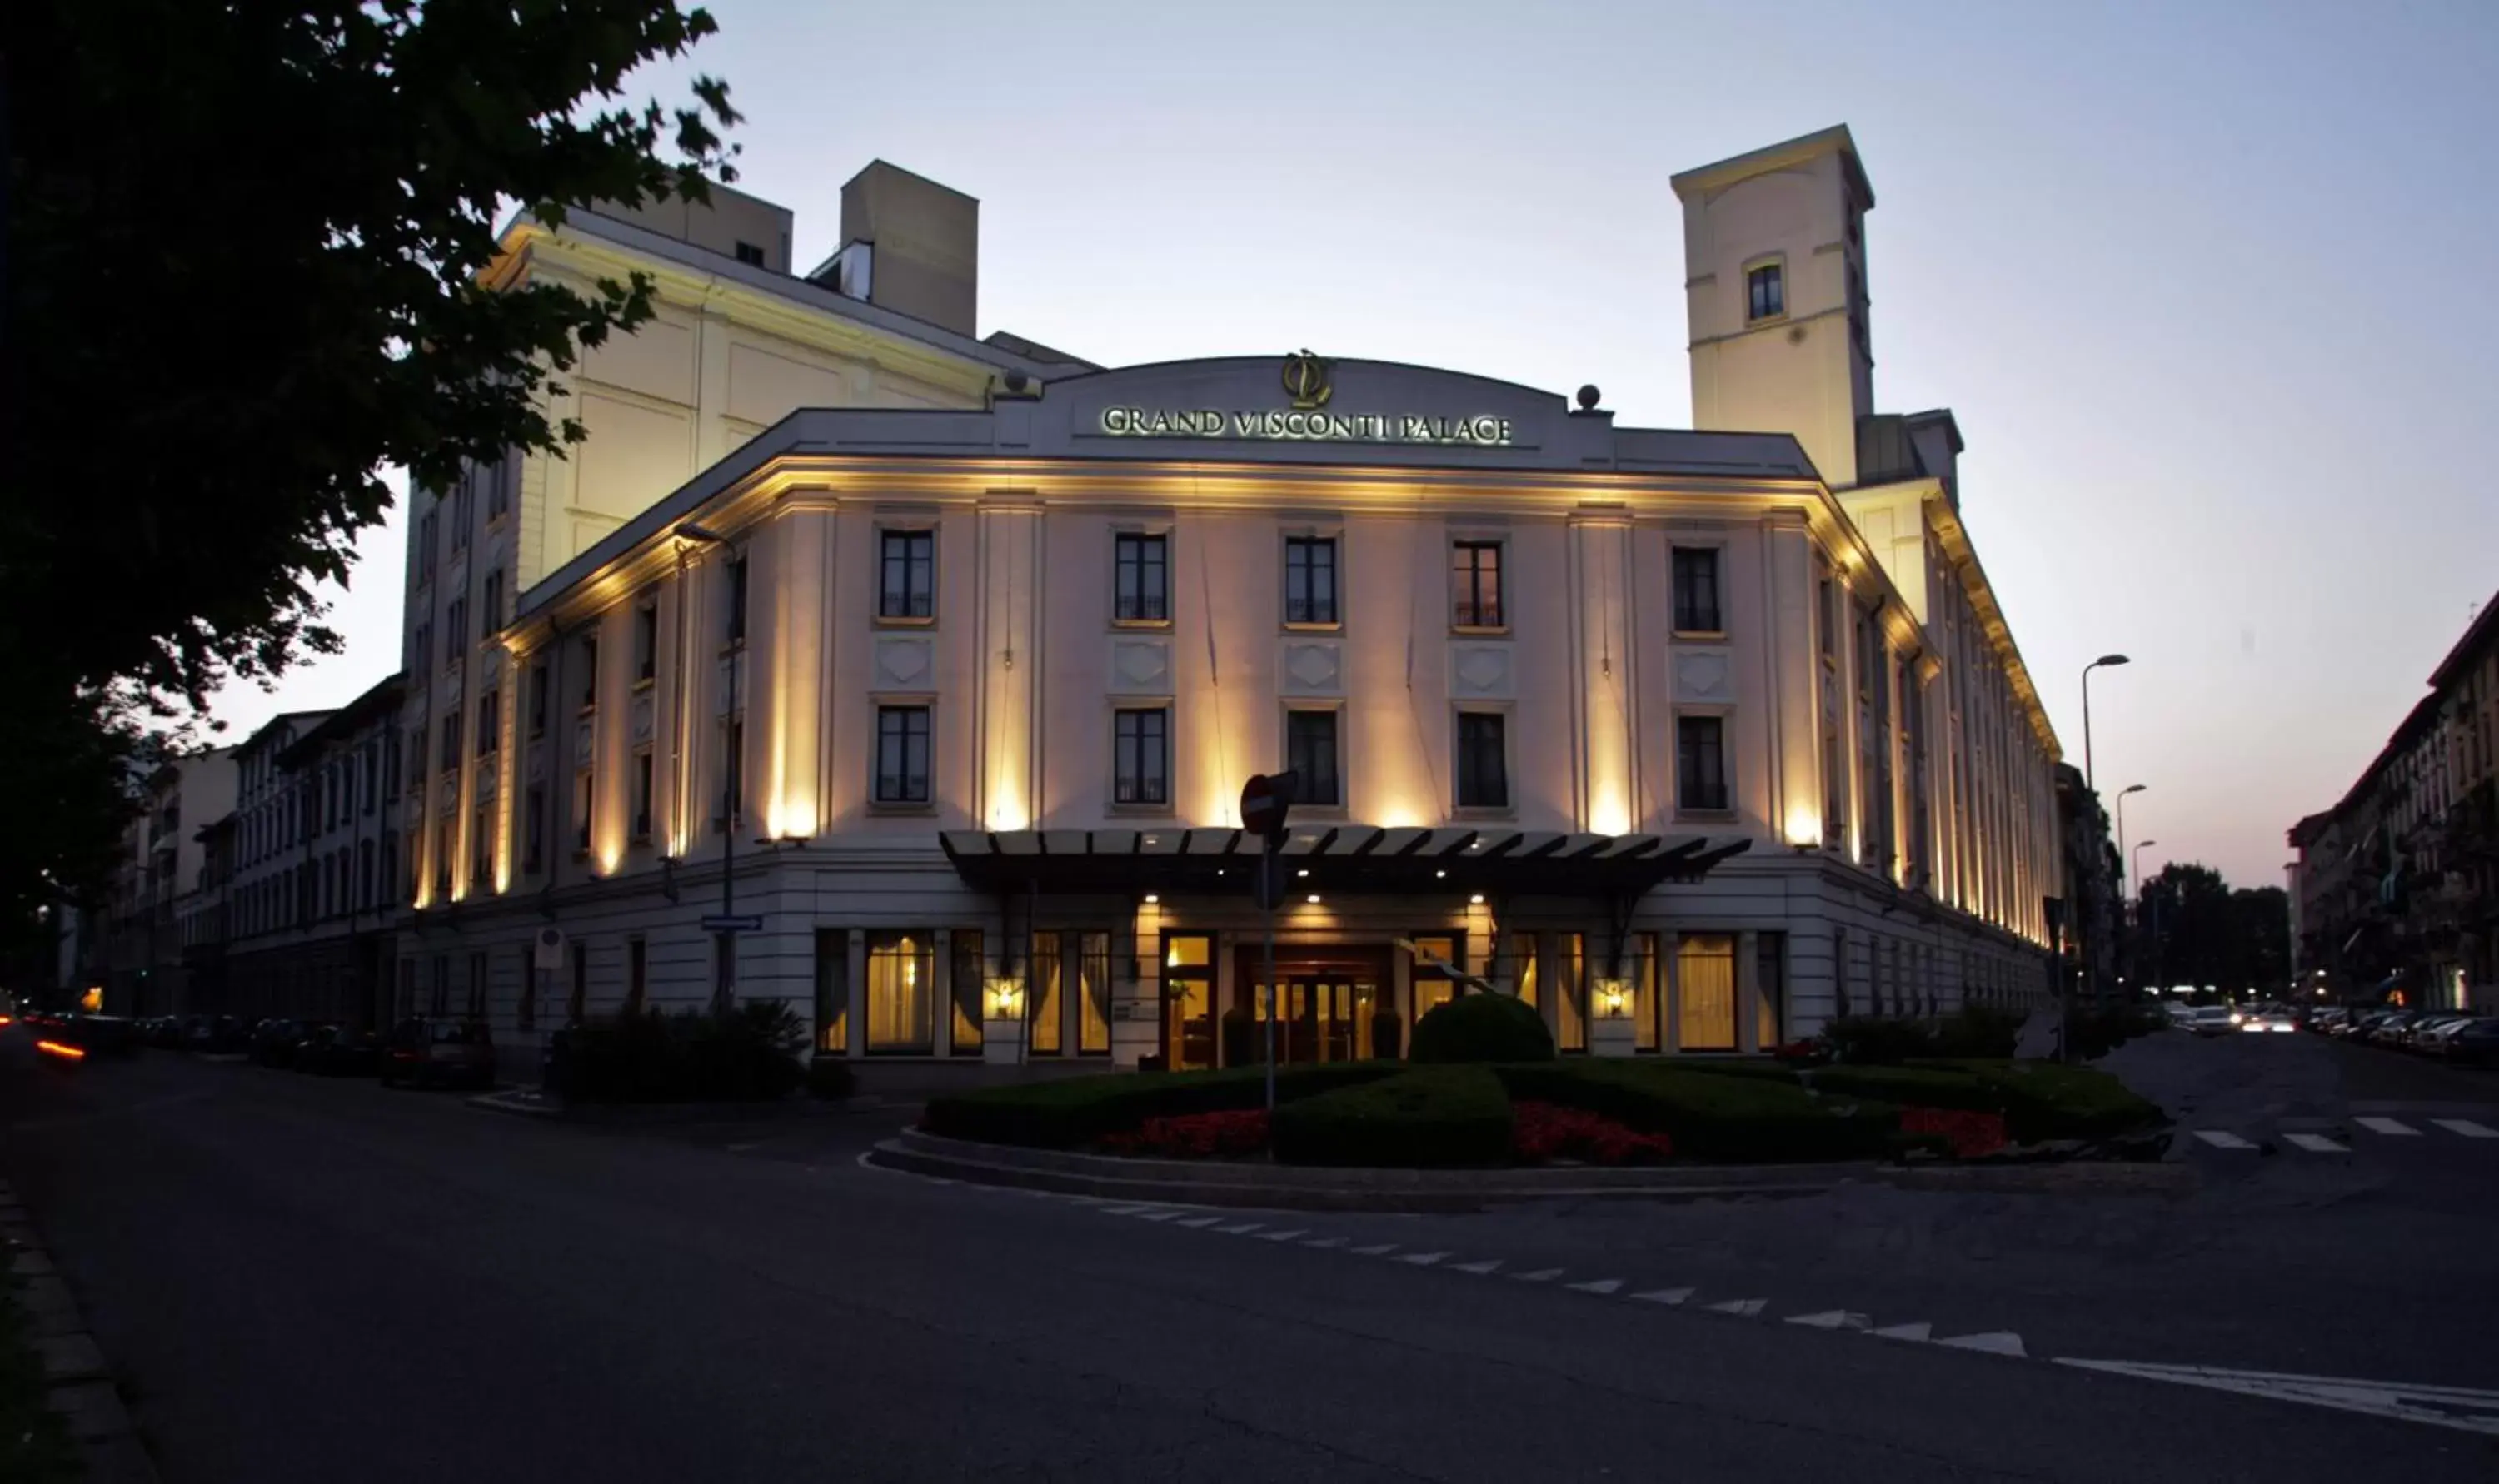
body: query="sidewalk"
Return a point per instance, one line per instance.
(81, 1381)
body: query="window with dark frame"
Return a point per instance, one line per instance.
(494, 604)
(481, 850)
(1311, 750)
(455, 631)
(1141, 756)
(490, 723)
(450, 741)
(967, 974)
(748, 253)
(907, 579)
(1701, 763)
(1697, 607)
(643, 795)
(902, 755)
(1475, 581)
(1141, 583)
(589, 671)
(646, 642)
(734, 771)
(1483, 760)
(538, 698)
(584, 797)
(1765, 292)
(534, 831)
(1310, 580)
(738, 598)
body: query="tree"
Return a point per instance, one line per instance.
(242, 249)
(2193, 929)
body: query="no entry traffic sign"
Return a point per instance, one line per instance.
(1265, 800)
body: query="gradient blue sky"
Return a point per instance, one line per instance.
(2209, 286)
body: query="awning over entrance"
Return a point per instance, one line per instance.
(1340, 858)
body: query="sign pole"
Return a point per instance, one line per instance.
(1265, 802)
(1274, 991)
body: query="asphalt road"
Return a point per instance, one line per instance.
(313, 1279)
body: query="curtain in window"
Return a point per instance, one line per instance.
(1042, 1004)
(1093, 994)
(1571, 980)
(970, 971)
(1648, 1009)
(832, 990)
(1706, 972)
(901, 991)
(1522, 965)
(1770, 987)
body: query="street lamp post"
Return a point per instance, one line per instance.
(2121, 831)
(2090, 781)
(2139, 849)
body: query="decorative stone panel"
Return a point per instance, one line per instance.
(1481, 672)
(905, 664)
(1313, 667)
(1704, 675)
(1140, 666)
(643, 706)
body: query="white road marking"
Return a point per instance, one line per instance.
(1831, 1319)
(1299, 1231)
(1597, 1286)
(2467, 1127)
(1200, 1222)
(1539, 1276)
(1116, 1211)
(1324, 1242)
(1994, 1342)
(2388, 1126)
(1382, 1250)
(1920, 1331)
(1242, 1229)
(1482, 1268)
(2440, 1406)
(2315, 1143)
(2222, 1140)
(1741, 1308)
(1165, 1214)
(1422, 1259)
(1663, 1295)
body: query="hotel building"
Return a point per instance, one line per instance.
(935, 665)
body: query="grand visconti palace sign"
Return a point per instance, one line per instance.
(1309, 382)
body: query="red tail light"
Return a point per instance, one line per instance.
(64, 1052)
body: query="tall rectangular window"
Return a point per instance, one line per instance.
(738, 598)
(589, 671)
(576, 998)
(494, 604)
(441, 1004)
(1705, 973)
(451, 741)
(832, 991)
(1141, 586)
(902, 755)
(534, 830)
(423, 648)
(498, 489)
(1765, 292)
(476, 1008)
(1701, 763)
(445, 842)
(538, 698)
(1092, 993)
(1311, 750)
(734, 771)
(967, 971)
(901, 991)
(1696, 591)
(646, 642)
(907, 574)
(1571, 984)
(1140, 756)
(1483, 760)
(525, 1007)
(490, 723)
(1475, 579)
(643, 795)
(481, 850)
(1310, 580)
(1043, 1006)
(388, 864)
(364, 874)
(1770, 988)
(455, 631)
(583, 797)
(637, 974)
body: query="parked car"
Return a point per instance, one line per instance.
(2421, 1035)
(2273, 1018)
(2383, 1029)
(2431, 1040)
(274, 1041)
(315, 1036)
(216, 1035)
(2475, 1043)
(2213, 1020)
(430, 1050)
(339, 1051)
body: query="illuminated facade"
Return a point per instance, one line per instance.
(1686, 738)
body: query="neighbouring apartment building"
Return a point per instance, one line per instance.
(913, 677)
(132, 952)
(2395, 890)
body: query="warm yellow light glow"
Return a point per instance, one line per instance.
(1613, 999)
(1609, 815)
(1805, 826)
(608, 856)
(1315, 896)
(1006, 999)
(1151, 899)
(92, 1001)
(1475, 900)
(1007, 811)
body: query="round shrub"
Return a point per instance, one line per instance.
(1482, 1027)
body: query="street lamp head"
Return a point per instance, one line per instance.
(2108, 659)
(691, 532)
(2131, 789)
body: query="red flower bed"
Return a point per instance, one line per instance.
(1195, 1136)
(1546, 1131)
(1970, 1134)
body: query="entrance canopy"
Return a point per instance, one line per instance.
(1340, 858)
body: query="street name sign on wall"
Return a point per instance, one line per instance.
(717, 924)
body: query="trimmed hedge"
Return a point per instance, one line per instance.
(2048, 1100)
(1430, 1117)
(1480, 1028)
(748, 1055)
(1741, 1066)
(1067, 1113)
(1736, 1118)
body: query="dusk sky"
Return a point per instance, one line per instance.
(2208, 287)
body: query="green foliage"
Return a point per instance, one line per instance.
(1974, 1030)
(1727, 1118)
(35, 1445)
(2050, 1100)
(1430, 1117)
(248, 249)
(2191, 928)
(830, 1078)
(1240, 1033)
(1482, 1028)
(1387, 1031)
(1069, 1113)
(1739, 1066)
(748, 1055)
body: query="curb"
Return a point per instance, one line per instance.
(79, 1379)
(530, 1103)
(1269, 1187)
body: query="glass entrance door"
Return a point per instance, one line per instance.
(1326, 1018)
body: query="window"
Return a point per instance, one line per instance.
(1483, 760)
(637, 974)
(736, 626)
(1701, 763)
(481, 850)
(1140, 756)
(490, 723)
(832, 990)
(901, 992)
(902, 755)
(1705, 972)
(493, 607)
(1310, 580)
(421, 649)
(1696, 591)
(1766, 293)
(1043, 1004)
(1309, 750)
(908, 576)
(538, 698)
(498, 489)
(1571, 980)
(1476, 583)
(444, 843)
(1092, 993)
(642, 796)
(968, 974)
(464, 511)
(646, 642)
(373, 774)
(1437, 956)
(576, 1000)
(534, 830)
(477, 986)
(1141, 591)
(450, 741)
(427, 538)
(589, 671)
(581, 804)
(749, 253)
(389, 866)
(364, 875)
(441, 1001)
(455, 630)
(525, 1010)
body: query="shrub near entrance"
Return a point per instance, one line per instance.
(1482, 1028)
(1737, 1118)
(1068, 1112)
(1427, 1118)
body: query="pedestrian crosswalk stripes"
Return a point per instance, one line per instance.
(2394, 1126)
(2467, 1127)
(2315, 1143)
(2223, 1139)
(2341, 1139)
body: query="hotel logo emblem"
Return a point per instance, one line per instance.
(1308, 380)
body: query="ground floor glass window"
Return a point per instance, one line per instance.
(1189, 1000)
(901, 991)
(832, 990)
(970, 972)
(1042, 1003)
(1648, 1009)
(1570, 991)
(1705, 967)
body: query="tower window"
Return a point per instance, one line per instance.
(1766, 289)
(748, 253)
